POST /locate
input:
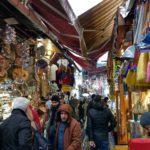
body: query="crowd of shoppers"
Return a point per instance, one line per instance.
(56, 124)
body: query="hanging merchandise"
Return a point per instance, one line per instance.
(23, 54)
(148, 70)
(126, 8)
(20, 75)
(139, 19)
(65, 77)
(63, 62)
(146, 40)
(52, 72)
(40, 51)
(142, 68)
(145, 44)
(3, 68)
(138, 108)
(125, 69)
(66, 88)
(131, 76)
(10, 35)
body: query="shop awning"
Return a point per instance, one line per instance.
(80, 60)
(54, 16)
(89, 35)
(98, 23)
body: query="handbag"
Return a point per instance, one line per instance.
(40, 142)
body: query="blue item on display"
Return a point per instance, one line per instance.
(135, 117)
(146, 40)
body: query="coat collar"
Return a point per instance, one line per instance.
(19, 111)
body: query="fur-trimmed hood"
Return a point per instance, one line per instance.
(66, 108)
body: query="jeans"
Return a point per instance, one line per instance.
(101, 145)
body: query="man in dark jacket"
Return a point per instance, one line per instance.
(100, 122)
(68, 130)
(15, 132)
(52, 120)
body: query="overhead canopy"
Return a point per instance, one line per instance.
(89, 35)
(98, 23)
(54, 16)
(86, 34)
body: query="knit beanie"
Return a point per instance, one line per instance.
(20, 103)
(55, 98)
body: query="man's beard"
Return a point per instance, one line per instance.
(64, 120)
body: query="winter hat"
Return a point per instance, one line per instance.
(93, 96)
(97, 98)
(66, 108)
(55, 98)
(20, 103)
(145, 119)
(41, 63)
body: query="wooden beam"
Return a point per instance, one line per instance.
(31, 16)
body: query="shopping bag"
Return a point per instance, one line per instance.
(40, 143)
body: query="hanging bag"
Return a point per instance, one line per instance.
(40, 143)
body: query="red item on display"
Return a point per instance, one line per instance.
(139, 144)
(36, 118)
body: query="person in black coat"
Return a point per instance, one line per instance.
(52, 121)
(15, 131)
(100, 122)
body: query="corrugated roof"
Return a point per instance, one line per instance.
(98, 22)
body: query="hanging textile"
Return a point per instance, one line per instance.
(140, 18)
(142, 68)
(126, 8)
(148, 69)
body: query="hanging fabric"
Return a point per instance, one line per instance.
(142, 67)
(148, 69)
(138, 30)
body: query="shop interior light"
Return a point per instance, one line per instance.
(122, 52)
(39, 44)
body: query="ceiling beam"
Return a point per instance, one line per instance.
(31, 16)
